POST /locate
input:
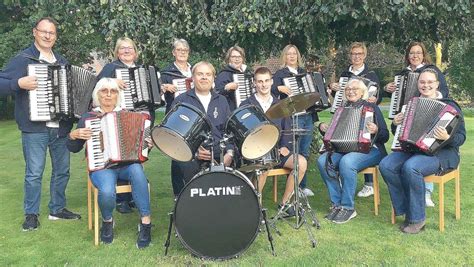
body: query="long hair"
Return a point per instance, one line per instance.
(285, 51)
(426, 56)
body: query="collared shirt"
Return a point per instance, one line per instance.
(205, 100)
(417, 67)
(356, 71)
(264, 104)
(187, 72)
(292, 70)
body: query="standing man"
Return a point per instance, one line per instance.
(38, 136)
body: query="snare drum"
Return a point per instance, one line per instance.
(182, 131)
(254, 134)
(217, 214)
(268, 161)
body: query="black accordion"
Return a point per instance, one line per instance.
(117, 137)
(312, 82)
(245, 87)
(348, 130)
(143, 87)
(421, 117)
(343, 81)
(407, 87)
(63, 92)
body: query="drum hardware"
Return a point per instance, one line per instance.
(292, 105)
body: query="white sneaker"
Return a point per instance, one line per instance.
(366, 191)
(308, 192)
(428, 201)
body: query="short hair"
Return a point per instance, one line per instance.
(430, 70)
(262, 71)
(177, 42)
(285, 51)
(49, 19)
(361, 85)
(426, 56)
(204, 63)
(122, 40)
(235, 48)
(105, 83)
(358, 45)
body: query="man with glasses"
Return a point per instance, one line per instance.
(38, 136)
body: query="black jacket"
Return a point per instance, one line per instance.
(224, 77)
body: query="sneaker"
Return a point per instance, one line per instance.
(428, 201)
(308, 192)
(366, 191)
(124, 207)
(344, 215)
(414, 228)
(107, 232)
(288, 211)
(332, 213)
(144, 235)
(31, 222)
(65, 215)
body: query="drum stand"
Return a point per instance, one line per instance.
(258, 172)
(300, 202)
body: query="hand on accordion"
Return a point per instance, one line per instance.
(284, 89)
(441, 133)
(398, 119)
(81, 133)
(323, 127)
(372, 99)
(149, 142)
(390, 87)
(167, 87)
(334, 87)
(28, 83)
(122, 84)
(372, 127)
(231, 86)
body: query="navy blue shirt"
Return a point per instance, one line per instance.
(168, 74)
(366, 73)
(224, 77)
(443, 86)
(109, 69)
(16, 69)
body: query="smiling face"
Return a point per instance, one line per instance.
(108, 98)
(181, 53)
(236, 59)
(263, 84)
(45, 35)
(292, 57)
(203, 77)
(357, 57)
(127, 53)
(354, 91)
(415, 56)
(428, 85)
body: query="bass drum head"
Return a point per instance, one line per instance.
(217, 215)
(171, 143)
(260, 141)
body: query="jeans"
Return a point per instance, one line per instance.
(304, 141)
(342, 193)
(105, 180)
(404, 174)
(35, 146)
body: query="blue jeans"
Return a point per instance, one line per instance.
(348, 166)
(304, 141)
(35, 146)
(105, 180)
(404, 174)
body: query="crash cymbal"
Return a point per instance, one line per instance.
(292, 105)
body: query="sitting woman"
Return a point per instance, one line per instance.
(404, 171)
(106, 99)
(341, 180)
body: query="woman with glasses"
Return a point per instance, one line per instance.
(417, 59)
(179, 69)
(225, 84)
(404, 171)
(339, 170)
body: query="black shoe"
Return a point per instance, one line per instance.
(144, 235)
(124, 207)
(107, 232)
(344, 215)
(332, 213)
(288, 211)
(31, 222)
(64, 214)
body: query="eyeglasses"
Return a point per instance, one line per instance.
(349, 89)
(235, 57)
(44, 33)
(107, 91)
(182, 50)
(357, 54)
(415, 53)
(427, 82)
(123, 48)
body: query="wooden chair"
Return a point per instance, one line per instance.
(121, 187)
(275, 173)
(441, 180)
(375, 174)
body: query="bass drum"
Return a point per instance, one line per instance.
(254, 134)
(182, 131)
(217, 214)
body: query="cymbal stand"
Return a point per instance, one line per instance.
(259, 172)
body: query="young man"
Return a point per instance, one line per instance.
(38, 136)
(263, 98)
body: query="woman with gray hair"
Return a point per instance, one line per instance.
(339, 170)
(106, 99)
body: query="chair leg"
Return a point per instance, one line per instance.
(393, 216)
(441, 207)
(96, 217)
(457, 197)
(89, 203)
(376, 192)
(275, 189)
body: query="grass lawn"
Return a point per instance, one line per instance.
(365, 240)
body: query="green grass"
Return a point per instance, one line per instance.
(366, 240)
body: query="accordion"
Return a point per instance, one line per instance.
(117, 137)
(348, 130)
(421, 117)
(143, 87)
(407, 87)
(63, 92)
(309, 83)
(245, 87)
(343, 81)
(182, 85)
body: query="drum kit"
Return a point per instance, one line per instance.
(218, 214)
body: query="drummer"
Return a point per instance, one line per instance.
(217, 109)
(264, 99)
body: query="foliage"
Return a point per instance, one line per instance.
(460, 71)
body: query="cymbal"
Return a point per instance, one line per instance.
(292, 105)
